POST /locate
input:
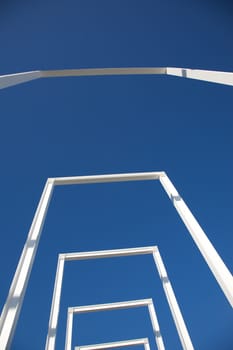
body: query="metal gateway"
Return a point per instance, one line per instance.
(170, 295)
(114, 306)
(12, 307)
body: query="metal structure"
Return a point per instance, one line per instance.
(225, 78)
(116, 344)
(115, 306)
(12, 307)
(170, 295)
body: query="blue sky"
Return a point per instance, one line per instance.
(97, 125)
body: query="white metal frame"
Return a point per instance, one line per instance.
(12, 307)
(116, 344)
(115, 306)
(219, 77)
(116, 253)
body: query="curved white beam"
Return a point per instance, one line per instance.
(225, 78)
(102, 71)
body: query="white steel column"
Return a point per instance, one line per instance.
(52, 330)
(214, 261)
(69, 327)
(172, 302)
(155, 325)
(147, 346)
(11, 310)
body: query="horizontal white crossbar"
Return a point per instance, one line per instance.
(75, 180)
(108, 253)
(116, 344)
(110, 306)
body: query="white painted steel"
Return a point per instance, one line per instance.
(155, 326)
(147, 346)
(114, 253)
(51, 338)
(225, 78)
(78, 180)
(173, 304)
(110, 306)
(69, 327)
(14, 301)
(12, 307)
(116, 344)
(115, 306)
(176, 313)
(212, 258)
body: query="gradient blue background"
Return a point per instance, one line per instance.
(97, 125)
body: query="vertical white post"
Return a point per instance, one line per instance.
(174, 307)
(53, 320)
(11, 310)
(155, 325)
(214, 261)
(69, 328)
(146, 345)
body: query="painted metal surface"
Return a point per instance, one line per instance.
(170, 295)
(12, 307)
(115, 306)
(219, 77)
(172, 302)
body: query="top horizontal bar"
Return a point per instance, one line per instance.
(106, 178)
(102, 72)
(116, 344)
(108, 253)
(225, 78)
(110, 306)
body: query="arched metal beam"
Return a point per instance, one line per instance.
(225, 78)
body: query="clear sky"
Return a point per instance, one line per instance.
(98, 125)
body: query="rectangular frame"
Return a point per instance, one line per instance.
(170, 295)
(12, 307)
(115, 306)
(116, 344)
